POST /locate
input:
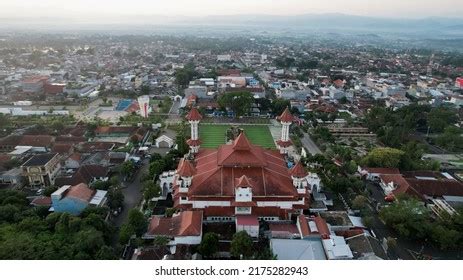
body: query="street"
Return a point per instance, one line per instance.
(310, 145)
(132, 194)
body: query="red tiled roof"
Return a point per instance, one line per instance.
(322, 227)
(41, 201)
(80, 191)
(70, 139)
(194, 115)
(91, 147)
(381, 170)
(61, 148)
(244, 204)
(241, 143)
(284, 144)
(85, 174)
(219, 211)
(398, 181)
(298, 171)
(303, 225)
(217, 171)
(187, 223)
(286, 116)
(290, 228)
(243, 182)
(193, 143)
(185, 168)
(27, 140)
(241, 153)
(243, 220)
(436, 188)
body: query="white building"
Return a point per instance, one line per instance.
(144, 104)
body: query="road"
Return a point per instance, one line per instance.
(310, 145)
(132, 194)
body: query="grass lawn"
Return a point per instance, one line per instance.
(213, 135)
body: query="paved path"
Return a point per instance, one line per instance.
(310, 145)
(132, 195)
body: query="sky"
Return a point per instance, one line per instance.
(113, 8)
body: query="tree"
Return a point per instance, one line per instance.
(105, 253)
(451, 139)
(408, 216)
(115, 198)
(151, 190)
(125, 233)
(185, 75)
(49, 190)
(239, 102)
(441, 117)
(209, 245)
(4, 121)
(241, 245)
(180, 139)
(383, 157)
(101, 185)
(127, 168)
(323, 134)
(137, 221)
(156, 167)
(359, 202)
(279, 105)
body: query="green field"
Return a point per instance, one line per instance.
(213, 135)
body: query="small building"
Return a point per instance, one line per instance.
(298, 249)
(164, 141)
(11, 177)
(183, 228)
(366, 247)
(373, 174)
(74, 199)
(336, 248)
(41, 170)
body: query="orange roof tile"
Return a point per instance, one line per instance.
(187, 223)
(298, 171)
(243, 182)
(194, 115)
(80, 191)
(186, 168)
(286, 116)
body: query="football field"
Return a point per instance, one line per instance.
(212, 135)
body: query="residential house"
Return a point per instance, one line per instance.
(75, 199)
(182, 228)
(87, 174)
(41, 170)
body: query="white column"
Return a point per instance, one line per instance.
(194, 130)
(285, 132)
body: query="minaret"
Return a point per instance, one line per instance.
(194, 117)
(186, 171)
(299, 174)
(286, 120)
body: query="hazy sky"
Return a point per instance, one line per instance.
(111, 8)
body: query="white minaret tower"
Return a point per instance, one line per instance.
(194, 117)
(286, 120)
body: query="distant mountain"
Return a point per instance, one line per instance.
(333, 22)
(431, 26)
